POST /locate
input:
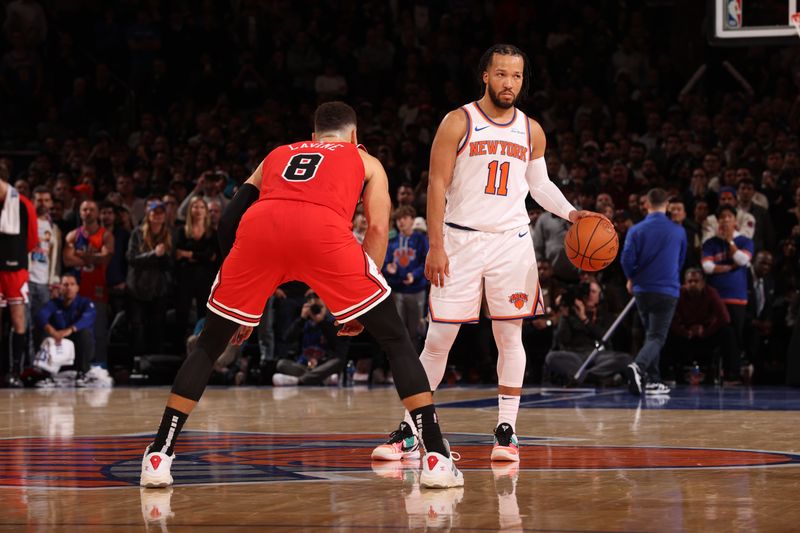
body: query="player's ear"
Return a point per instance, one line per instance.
(313, 135)
(354, 137)
(485, 77)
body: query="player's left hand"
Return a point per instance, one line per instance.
(577, 214)
(241, 335)
(350, 329)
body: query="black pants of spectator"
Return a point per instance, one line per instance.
(733, 359)
(313, 376)
(101, 334)
(682, 351)
(148, 323)
(656, 312)
(84, 348)
(286, 311)
(561, 366)
(186, 292)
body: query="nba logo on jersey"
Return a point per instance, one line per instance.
(734, 19)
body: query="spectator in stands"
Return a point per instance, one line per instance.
(726, 257)
(404, 270)
(701, 325)
(760, 321)
(150, 257)
(117, 268)
(677, 213)
(45, 259)
(209, 185)
(576, 337)
(537, 332)
(71, 316)
(88, 251)
(405, 194)
(322, 352)
(548, 243)
(763, 234)
(745, 222)
(197, 259)
(128, 198)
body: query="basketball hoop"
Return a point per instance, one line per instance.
(795, 18)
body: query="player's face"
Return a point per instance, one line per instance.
(503, 79)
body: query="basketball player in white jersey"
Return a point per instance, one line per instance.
(485, 158)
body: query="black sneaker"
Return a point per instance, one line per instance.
(506, 445)
(636, 379)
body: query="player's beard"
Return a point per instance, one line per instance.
(495, 98)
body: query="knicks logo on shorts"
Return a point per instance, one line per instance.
(519, 299)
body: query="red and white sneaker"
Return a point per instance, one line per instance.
(506, 446)
(440, 472)
(156, 468)
(402, 444)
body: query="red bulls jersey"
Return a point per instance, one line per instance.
(330, 174)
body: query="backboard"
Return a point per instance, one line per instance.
(752, 22)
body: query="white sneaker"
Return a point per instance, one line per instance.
(284, 380)
(156, 468)
(656, 389)
(156, 508)
(440, 472)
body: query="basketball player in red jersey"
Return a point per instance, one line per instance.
(299, 229)
(485, 159)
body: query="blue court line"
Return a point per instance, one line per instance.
(708, 398)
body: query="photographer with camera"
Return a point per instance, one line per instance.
(322, 353)
(209, 185)
(577, 336)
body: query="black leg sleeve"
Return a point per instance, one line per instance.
(195, 371)
(385, 325)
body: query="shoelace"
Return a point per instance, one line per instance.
(396, 436)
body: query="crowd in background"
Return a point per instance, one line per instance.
(130, 127)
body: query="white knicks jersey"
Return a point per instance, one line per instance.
(488, 189)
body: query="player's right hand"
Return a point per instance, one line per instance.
(437, 266)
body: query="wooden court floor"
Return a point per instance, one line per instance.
(298, 460)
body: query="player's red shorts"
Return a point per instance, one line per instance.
(13, 287)
(279, 241)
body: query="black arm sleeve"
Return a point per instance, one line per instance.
(229, 221)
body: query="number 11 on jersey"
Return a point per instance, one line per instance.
(500, 189)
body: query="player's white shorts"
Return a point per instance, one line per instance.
(503, 264)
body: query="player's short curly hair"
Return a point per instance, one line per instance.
(333, 116)
(505, 50)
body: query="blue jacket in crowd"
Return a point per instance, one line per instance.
(80, 313)
(653, 255)
(409, 254)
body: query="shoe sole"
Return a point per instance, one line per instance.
(155, 484)
(657, 393)
(394, 456)
(440, 484)
(634, 385)
(504, 453)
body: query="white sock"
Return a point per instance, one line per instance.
(508, 407)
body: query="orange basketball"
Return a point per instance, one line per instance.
(591, 243)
